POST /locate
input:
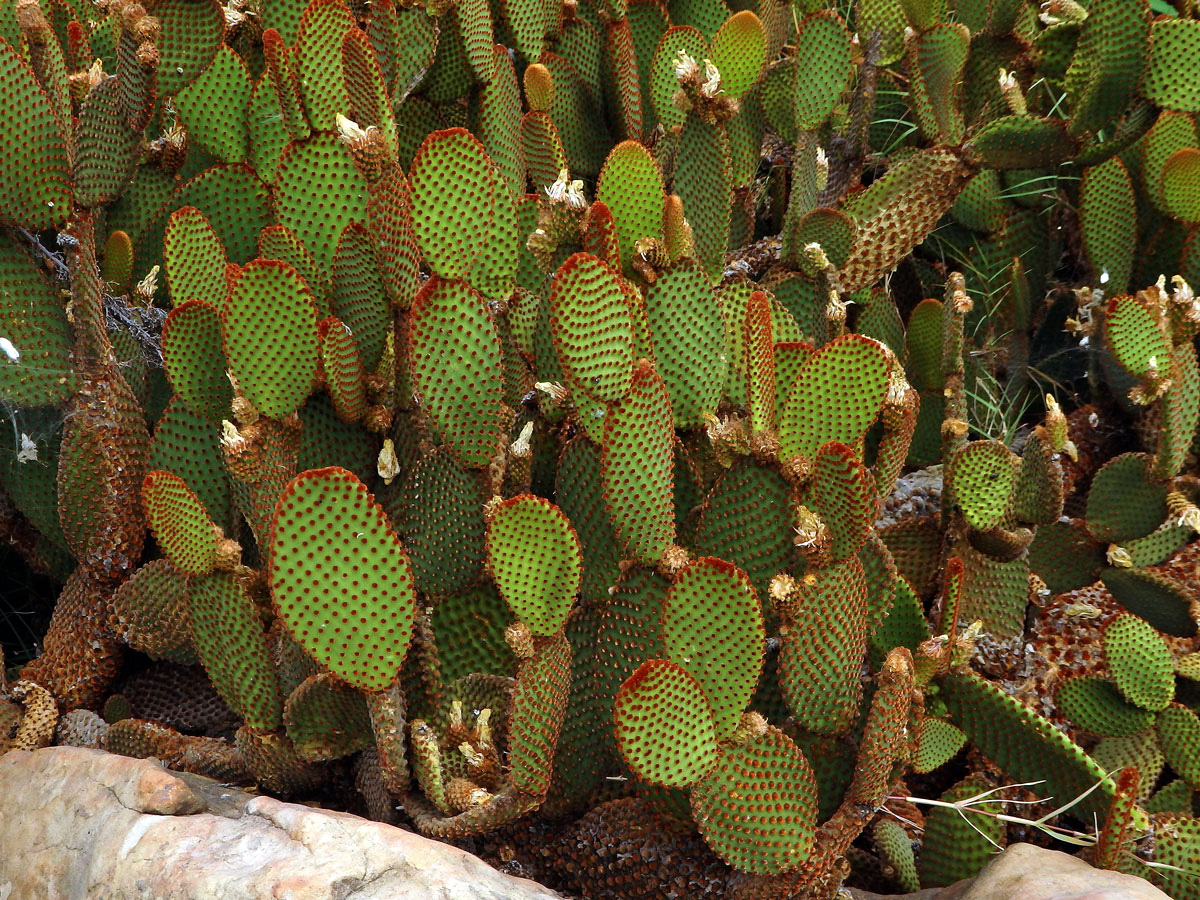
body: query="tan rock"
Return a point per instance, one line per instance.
(79, 824)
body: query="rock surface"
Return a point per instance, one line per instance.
(80, 824)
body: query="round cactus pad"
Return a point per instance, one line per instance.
(1140, 662)
(340, 578)
(665, 725)
(180, 523)
(758, 808)
(534, 557)
(982, 475)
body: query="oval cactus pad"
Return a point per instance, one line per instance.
(535, 561)
(665, 725)
(180, 523)
(340, 579)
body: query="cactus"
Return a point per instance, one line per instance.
(528, 405)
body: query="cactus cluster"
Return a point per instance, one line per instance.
(611, 413)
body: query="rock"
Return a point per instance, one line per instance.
(1026, 872)
(78, 824)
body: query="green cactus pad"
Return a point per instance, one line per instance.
(266, 133)
(665, 726)
(534, 557)
(923, 342)
(824, 44)
(1140, 662)
(326, 440)
(1179, 734)
(194, 359)
(938, 741)
(1180, 412)
(195, 258)
(342, 369)
(1025, 745)
(579, 491)
(636, 466)
(470, 633)
(1163, 602)
(758, 808)
(739, 49)
(454, 352)
(1125, 502)
(898, 211)
(957, 845)
(35, 184)
(585, 137)
(1165, 83)
(358, 293)
(937, 57)
(308, 171)
(326, 719)
(1021, 142)
(1039, 490)
(494, 271)
(271, 758)
(213, 107)
(592, 327)
(1096, 706)
(319, 61)
(189, 445)
(454, 187)
(539, 703)
(713, 627)
(894, 848)
(180, 523)
(439, 511)
(1108, 223)
(151, 612)
(1180, 185)
(390, 215)
(982, 475)
(269, 331)
(832, 229)
(1135, 337)
(823, 648)
(663, 83)
(631, 185)
(35, 367)
(994, 591)
(280, 242)
(228, 635)
(836, 397)
(354, 615)
(688, 337)
(235, 202)
(1177, 848)
(842, 493)
(1107, 64)
(706, 188)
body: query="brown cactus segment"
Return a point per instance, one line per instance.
(665, 726)
(180, 523)
(354, 612)
(758, 808)
(636, 460)
(151, 613)
(455, 358)
(534, 557)
(713, 627)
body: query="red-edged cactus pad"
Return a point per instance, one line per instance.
(631, 185)
(195, 258)
(1135, 337)
(739, 49)
(636, 461)
(318, 192)
(35, 177)
(35, 367)
(982, 476)
(343, 370)
(713, 627)
(189, 445)
(228, 635)
(500, 120)
(358, 294)
(191, 36)
(453, 198)
(665, 726)
(758, 808)
(836, 397)
(151, 612)
(842, 493)
(214, 107)
(180, 523)
(535, 561)
(319, 61)
(539, 703)
(280, 242)
(542, 148)
(440, 515)
(823, 649)
(234, 200)
(621, 56)
(592, 327)
(663, 82)
(327, 719)
(456, 365)
(194, 359)
(1180, 412)
(390, 215)
(106, 150)
(494, 271)
(585, 136)
(688, 335)
(340, 579)
(269, 330)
